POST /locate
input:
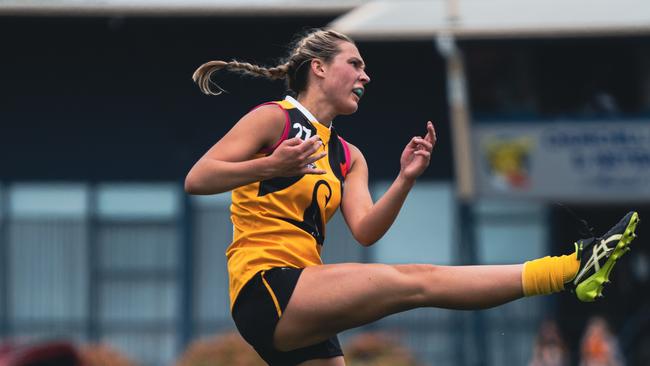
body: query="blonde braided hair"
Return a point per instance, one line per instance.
(318, 43)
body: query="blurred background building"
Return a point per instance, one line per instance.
(100, 122)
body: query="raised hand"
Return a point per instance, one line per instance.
(417, 154)
(295, 157)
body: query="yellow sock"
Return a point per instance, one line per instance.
(549, 274)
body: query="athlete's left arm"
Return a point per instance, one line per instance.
(369, 221)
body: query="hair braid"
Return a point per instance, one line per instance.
(203, 75)
(317, 44)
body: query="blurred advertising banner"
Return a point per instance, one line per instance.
(568, 161)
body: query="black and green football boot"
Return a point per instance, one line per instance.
(599, 255)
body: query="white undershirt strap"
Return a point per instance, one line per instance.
(304, 111)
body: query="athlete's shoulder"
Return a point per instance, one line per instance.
(269, 120)
(353, 148)
(266, 115)
(272, 109)
(355, 154)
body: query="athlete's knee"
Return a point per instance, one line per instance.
(393, 277)
(417, 278)
(416, 272)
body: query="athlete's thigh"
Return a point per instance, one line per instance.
(334, 361)
(331, 298)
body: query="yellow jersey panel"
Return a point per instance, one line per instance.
(280, 222)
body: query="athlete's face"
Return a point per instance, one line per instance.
(344, 79)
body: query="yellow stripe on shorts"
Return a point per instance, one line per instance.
(275, 299)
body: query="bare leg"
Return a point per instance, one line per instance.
(331, 298)
(334, 361)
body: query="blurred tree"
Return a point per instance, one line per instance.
(377, 349)
(103, 355)
(227, 349)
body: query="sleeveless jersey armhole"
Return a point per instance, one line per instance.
(346, 149)
(285, 132)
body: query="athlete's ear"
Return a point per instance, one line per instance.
(318, 67)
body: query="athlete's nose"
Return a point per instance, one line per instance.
(364, 78)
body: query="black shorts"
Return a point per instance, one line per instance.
(257, 311)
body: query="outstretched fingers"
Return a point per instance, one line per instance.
(315, 157)
(422, 144)
(295, 156)
(311, 146)
(310, 155)
(424, 153)
(425, 143)
(431, 134)
(294, 141)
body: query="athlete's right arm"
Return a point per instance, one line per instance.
(228, 164)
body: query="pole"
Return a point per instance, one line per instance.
(464, 170)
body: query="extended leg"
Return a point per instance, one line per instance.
(331, 298)
(334, 361)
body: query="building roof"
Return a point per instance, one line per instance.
(475, 19)
(176, 7)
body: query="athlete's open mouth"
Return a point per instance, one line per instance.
(358, 92)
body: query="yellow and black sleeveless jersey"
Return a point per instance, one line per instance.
(280, 222)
